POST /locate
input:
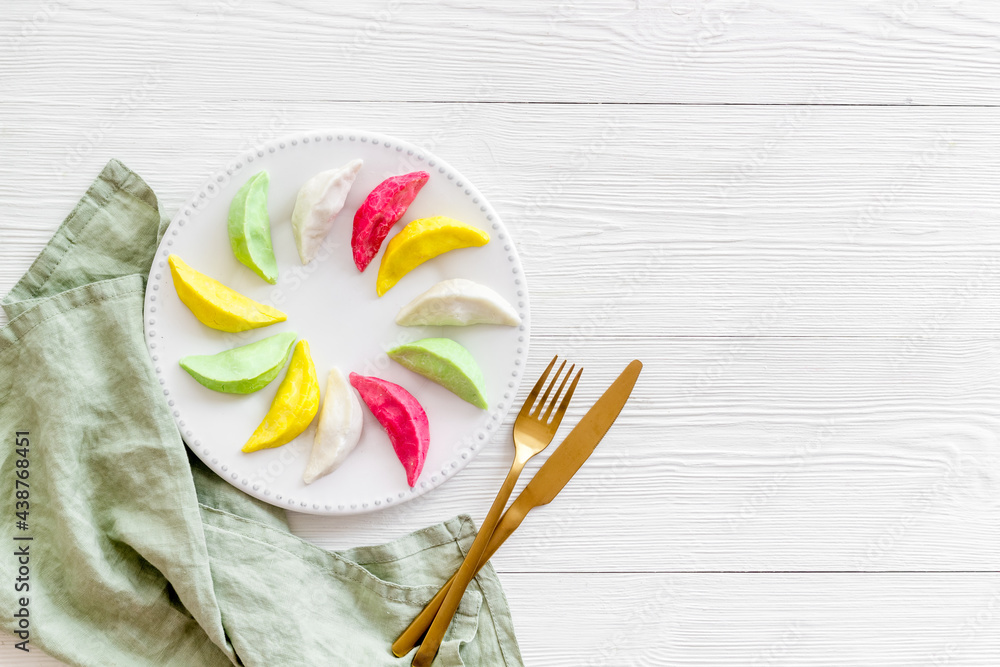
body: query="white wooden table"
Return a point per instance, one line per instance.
(788, 210)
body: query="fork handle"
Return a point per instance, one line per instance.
(411, 636)
(509, 522)
(437, 614)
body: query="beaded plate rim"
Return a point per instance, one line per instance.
(217, 185)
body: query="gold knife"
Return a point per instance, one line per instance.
(550, 479)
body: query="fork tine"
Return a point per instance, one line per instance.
(555, 399)
(545, 396)
(561, 412)
(530, 401)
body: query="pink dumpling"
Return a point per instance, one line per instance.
(382, 208)
(403, 418)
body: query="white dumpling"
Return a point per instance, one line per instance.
(338, 430)
(318, 203)
(458, 303)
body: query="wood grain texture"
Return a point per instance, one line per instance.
(757, 620)
(773, 454)
(682, 51)
(787, 210)
(855, 221)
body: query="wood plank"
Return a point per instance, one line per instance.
(728, 221)
(806, 620)
(879, 620)
(736, 408)
(764, 454)
(727, 51)
(813, 286)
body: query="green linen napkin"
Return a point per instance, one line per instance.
(127, 549)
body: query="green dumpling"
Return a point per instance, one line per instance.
(446, 362)
(250, 228)
(244, 369)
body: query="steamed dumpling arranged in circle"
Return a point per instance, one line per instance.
(244, 369)
(294, 406)
(318, 203)
(423, 240)
(339, 429)
(216, 305)
(458, 303)
(446, 362)
(383, 207)
(403, 419)
(250, 228)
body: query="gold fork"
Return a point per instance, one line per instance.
(532, 433)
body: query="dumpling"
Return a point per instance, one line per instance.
(383, 207)
(402, 417)
(421, 241)
(446, 362)
(338, 430)
(318, 203)
(458, 303)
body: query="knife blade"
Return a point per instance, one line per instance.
(550, 479)
(568, 458)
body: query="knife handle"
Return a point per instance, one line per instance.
(509, 522)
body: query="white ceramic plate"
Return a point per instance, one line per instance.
(335, 308)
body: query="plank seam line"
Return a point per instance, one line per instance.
(569, 103)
